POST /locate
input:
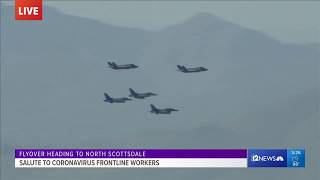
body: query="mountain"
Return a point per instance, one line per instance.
(258, 92)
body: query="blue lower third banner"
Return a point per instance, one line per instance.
(158, 158)
(276, 158)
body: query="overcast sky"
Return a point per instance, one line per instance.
(296, 22)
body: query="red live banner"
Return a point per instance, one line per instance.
(28, 9)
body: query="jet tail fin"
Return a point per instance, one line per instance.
(107, 96)
(132, 92)
(111, 64)
(181, 68)
(153, 108)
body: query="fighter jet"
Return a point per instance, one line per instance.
(115, 100)
(191, 70)
(161, 111)
(113, 65)
(140, 95)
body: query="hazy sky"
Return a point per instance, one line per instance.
(296, 22)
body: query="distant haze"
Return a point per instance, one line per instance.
(291, 22)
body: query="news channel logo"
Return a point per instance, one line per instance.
(267, 158)
(276, 158)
